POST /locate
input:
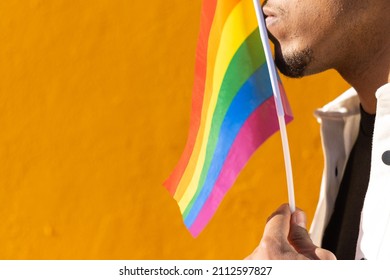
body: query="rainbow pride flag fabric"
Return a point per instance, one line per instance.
(233, 110)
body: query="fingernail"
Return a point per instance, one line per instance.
(299, 218)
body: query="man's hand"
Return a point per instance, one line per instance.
(286, 238)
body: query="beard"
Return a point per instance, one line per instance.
(293, 65)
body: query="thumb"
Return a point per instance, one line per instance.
(299, 238)
(299, 218)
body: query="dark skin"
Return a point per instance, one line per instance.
(286, 238)
(352, 37)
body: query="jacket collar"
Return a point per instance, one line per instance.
(345, 105)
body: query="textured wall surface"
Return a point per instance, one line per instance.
(95, 99)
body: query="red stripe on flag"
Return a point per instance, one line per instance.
(208, 11)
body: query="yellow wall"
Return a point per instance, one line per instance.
(95, 98)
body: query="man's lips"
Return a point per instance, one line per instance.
(269, 20)
(268, 11)
(270, 16)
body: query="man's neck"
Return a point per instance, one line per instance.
(367, 77)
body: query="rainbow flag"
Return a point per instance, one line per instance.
(233, 110)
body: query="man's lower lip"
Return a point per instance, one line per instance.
(270, 20)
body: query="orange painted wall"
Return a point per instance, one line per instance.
(95, 98)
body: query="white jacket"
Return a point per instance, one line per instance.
(340, 121)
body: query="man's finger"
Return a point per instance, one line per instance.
(299, 238)
(279, 222)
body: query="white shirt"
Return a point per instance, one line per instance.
(340, 121)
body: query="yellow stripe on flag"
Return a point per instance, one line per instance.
(239, 25)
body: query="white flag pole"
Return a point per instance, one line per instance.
(278, 101)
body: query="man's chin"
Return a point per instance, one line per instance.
(289, 70)
(293, 64)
